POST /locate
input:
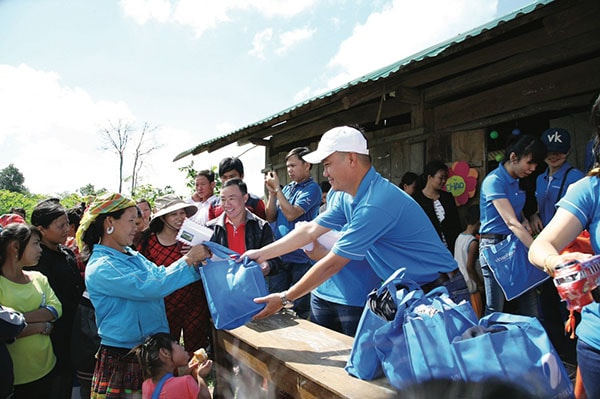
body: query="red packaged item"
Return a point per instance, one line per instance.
(577, 282)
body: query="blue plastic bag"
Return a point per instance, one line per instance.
(517, 349)
(416, 346)
(231, 286)
(511, 268)
(363, 361)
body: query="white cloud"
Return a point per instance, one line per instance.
(303, 94)
(51, 133)
(260, 42)
(401, 29)
(204, 15)
(291, 38)
(144, 10)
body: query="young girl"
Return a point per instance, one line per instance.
(159, 357)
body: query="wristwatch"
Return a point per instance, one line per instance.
(285, 303)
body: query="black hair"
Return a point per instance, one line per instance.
(300, 152)
(473, 214)
(433, 167)
(46, 211)
(209, 174)
(325, 186)
(595, 121)
(74, 216)
(148, 353)
(94, 232)
(18, 211)
(491, 388)
(19, 232)
(229, 164)
(237, 182)
(526, 144)
(407, 179)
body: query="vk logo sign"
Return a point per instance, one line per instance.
(555, 137)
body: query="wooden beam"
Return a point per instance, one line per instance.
(564, 82)
(576, 102)
(518, 65)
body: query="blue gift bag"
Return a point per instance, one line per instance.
(513, 348)
(231, 286)
(416, 346)
(511, 268)
(363, 361)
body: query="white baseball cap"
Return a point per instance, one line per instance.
(342, 139)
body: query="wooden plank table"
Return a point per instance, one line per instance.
(298, 357)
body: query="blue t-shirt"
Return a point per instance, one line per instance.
(583, 201)
(388, 229)
(306, 195)
(499, 184)
(351, 285)
(547, 187)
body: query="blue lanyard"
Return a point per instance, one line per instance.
(160, 384)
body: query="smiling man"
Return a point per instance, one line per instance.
(384, 226)
(239, 229)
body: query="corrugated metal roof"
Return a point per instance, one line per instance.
(375, 75)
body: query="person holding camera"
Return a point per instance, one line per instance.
(298, 201)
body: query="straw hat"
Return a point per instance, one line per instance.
(171, 203)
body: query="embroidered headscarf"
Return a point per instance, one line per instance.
(106, 203)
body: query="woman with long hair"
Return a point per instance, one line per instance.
(30, 293)
(501, 207)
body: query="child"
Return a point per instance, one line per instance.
(159, 357)
(466, 253)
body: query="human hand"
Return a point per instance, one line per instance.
(200, 369)
(198, 253)
(273, 305)
(265, 268)
(253, 254)
(272, 181)
(185, 248)
(536, 224)
(553, 261)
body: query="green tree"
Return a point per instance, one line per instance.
(12, 179)
(191, 173)
(151, 193)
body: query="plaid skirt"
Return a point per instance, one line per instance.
(117, 375)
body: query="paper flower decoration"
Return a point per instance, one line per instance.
(462, 182)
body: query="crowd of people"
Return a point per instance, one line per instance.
(122, 259)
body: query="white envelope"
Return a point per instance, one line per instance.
(192, 233)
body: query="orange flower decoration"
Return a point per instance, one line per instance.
(462, 182)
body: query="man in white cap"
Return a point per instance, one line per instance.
(384, 226)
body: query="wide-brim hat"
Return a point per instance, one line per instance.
(171, 203)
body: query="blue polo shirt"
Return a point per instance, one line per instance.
(351, 285)
(547, 187)
(306, 195)
(583, 201)
(499, 184)
(388, 229)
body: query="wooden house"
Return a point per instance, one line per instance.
(530, 70)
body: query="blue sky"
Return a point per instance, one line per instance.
(194, 69)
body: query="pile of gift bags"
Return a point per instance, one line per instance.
(412, 337)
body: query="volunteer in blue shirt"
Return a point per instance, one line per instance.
(338, 303)
(579, 209)
(384, 226)
(501, 205)
(298, 201)
(552, 184)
